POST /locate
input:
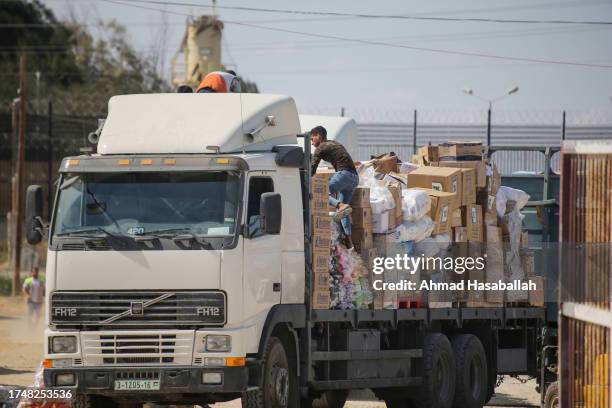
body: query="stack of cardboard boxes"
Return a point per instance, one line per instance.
(474, 222)
(321, 241)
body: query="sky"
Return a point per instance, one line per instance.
(325, 75)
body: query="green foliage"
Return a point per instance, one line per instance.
(79, 72)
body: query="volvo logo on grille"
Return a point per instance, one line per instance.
(137, 308)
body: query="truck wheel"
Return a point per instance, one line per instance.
(551, 398)
(279, 389)
(471, 362)
(438, 387)
(334, 399)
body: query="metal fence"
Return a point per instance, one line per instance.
(51, 137)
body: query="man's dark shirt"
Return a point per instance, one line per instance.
(334, 153)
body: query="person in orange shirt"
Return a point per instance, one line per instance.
(219, 82)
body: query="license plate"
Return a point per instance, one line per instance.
(136, 385)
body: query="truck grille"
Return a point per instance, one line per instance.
(162, 309)
(137, 348)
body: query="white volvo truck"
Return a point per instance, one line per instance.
(178, 272)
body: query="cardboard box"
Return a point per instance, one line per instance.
(321, 299)
(320, 262)
(321, 282)
(361, 197)
(362, 239)
(386, 164)
(321, 243)
(441, 210)
(428, 154)
(460, 151)
(320, 204)
(324, 173)
(479, 166)
(361, 217)
(494, 180)
(456, 218)
(396, 191)
(440, 179)
(536, 297)
(320, 186)
(468, 186)
(321, 224)
(487, 202)
(472, 217)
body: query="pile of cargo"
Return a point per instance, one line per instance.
(447, 202)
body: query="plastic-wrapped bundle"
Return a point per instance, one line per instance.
(381, 199)
(415, 204)
(416, 231)
(505, 194)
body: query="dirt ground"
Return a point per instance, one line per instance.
(21, 351)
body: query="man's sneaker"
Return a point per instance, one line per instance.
(343, 211)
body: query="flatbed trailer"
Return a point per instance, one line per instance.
(394, 355)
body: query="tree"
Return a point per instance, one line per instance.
(79, 72)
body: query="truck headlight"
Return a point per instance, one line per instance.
(218, 343)
(63, 344)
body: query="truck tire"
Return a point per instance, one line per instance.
(471, 385)
(279, 388)
(551, 398)
(438, 387)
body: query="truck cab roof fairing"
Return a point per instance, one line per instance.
(188, 123)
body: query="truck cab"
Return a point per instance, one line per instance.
(173, 247)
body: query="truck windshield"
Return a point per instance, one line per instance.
(202, 203)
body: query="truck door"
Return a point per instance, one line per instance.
(262, 252)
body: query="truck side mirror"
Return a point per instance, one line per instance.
(33, 215)
(271, 212)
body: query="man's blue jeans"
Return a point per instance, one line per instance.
(343, 182)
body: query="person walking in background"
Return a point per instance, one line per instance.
(34, 289)
(343, 182)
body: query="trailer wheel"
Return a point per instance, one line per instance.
(279, 389)
(438, 387)
(551, 398)
(471, 362)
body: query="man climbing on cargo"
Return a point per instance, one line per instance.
(220, 82)
(343, 182)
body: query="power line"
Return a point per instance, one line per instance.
(392, 45)
(376, 16)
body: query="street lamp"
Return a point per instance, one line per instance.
(470, 91)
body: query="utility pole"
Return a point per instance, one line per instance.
(17, 211)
